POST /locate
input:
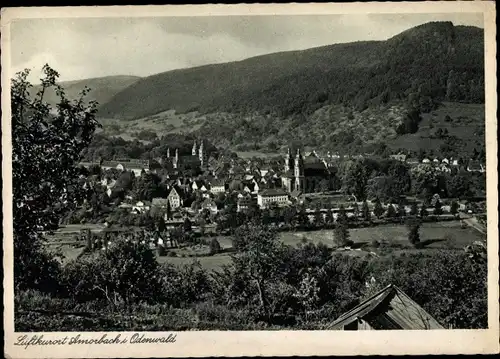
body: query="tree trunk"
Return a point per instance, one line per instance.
(261, 297)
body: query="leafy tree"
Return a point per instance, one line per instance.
(367, 216)
(423, 210)
(384, 188)
(413, 225)
(378, 210)
(438, 208)
(147, 186)
(439, 133)
(125, 181)
(215, 246)
(187, 225)
(341, 231)
(401, 178)
(329, 217)
(401, 210)
(355, 208)
(254, 213)
(46, 146)
(260, 258)
(324, 185)
(302, 217)
(160, 225)
(308, 292)
(459, 185)
(318, 218)
(414, 209)
(410, 122)
(355, 179)
(427, 181)
(436, 279)
(289, 214)
(391, 211)
(116, 275)
(266, 216)
(342, 215)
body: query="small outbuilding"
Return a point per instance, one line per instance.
(388, 309)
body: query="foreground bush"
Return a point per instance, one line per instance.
(126, 273)
(447, 284)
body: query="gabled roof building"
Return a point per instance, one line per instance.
(388, 309)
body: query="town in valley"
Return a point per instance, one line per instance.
(336, 187)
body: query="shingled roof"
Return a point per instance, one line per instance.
(390, 308)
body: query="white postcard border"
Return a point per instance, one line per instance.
(268, 343)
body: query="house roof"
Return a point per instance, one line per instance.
(174, 191)
(199, 183)
(273, 192)
(159, 201)
(127, 163)
(250, 185)
(390, 308)
(474, 165)
(217, 183)
(208, 202)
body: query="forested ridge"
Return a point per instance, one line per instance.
(422, 66)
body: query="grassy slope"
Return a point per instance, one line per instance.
(433, 234)
(102, 88)
(467, 124)
(327, 125)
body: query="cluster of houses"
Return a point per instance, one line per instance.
(443, 164)
(274, 182)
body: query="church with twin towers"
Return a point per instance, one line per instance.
(197, 159)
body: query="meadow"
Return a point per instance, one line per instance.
(392, 238)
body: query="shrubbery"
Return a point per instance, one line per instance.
(268, 285)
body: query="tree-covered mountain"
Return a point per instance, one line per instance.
(102, 88)
(422, 66)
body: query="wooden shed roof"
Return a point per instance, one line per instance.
(390, 308)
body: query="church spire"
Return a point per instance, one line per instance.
(287, 160)
(201, 153)
(175, 162)
(168, 152)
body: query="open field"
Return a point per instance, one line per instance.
(69, 251)
(68, 232)
(448, 235)
(209, 263)
(432, 234)
(467, 123)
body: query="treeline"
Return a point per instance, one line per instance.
(107, 147)
(388, 180)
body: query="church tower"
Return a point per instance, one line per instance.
(193, 152)
(201, 154)
(298, 172)
(175, 162)
(287, 160)
(287, 179)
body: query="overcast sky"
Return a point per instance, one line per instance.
(93, 47)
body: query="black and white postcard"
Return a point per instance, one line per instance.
(250, 180)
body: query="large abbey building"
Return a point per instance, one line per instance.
(196, 161)
(305, 174)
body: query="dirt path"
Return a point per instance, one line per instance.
(472, 222)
